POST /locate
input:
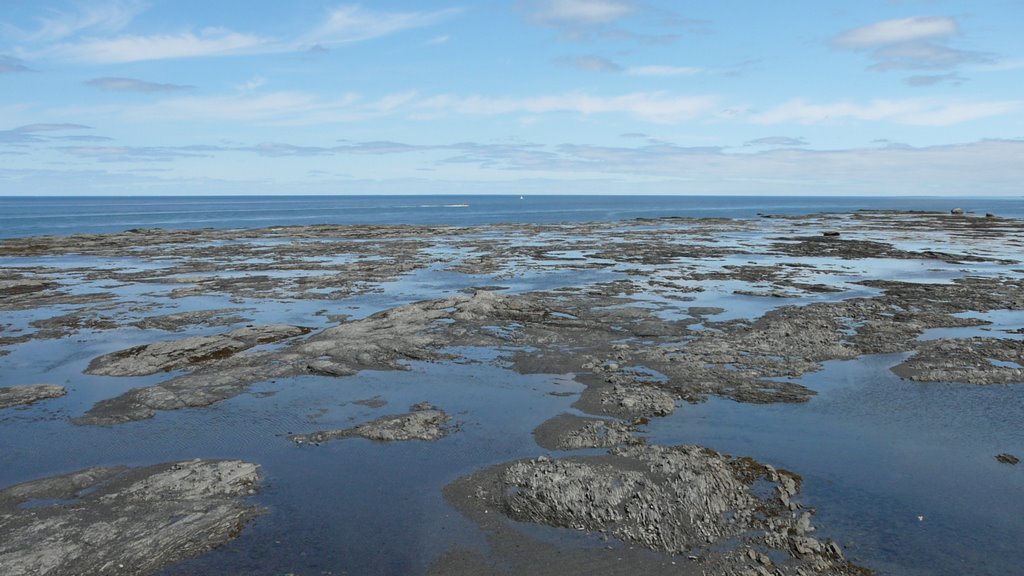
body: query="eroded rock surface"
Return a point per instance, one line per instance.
(176, 321)
(188, 352)
(633, 362)
(968, 360)
(29, 394)
(423, 422)
(570, 432)
(1007, 458)
(123, 521)
(683, 500)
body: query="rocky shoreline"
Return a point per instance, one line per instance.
(648, 329)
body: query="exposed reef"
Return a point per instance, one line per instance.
(682, 501)
(123, 520)
(569, 432)
(422, 422)
(29, 394)
(635, 318)
(189, 352)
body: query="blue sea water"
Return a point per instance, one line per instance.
(31, 216)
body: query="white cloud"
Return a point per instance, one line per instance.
(209, 42)
(246, 107)
(659, 107)
(897, 31)
(573, 13)
(590, 63)
(656, 70)
(342, 25)
(133, 85)
(912, 111)
(919, 43)
(958, 169)
(777, 141)
(354, 23)
(96, 16)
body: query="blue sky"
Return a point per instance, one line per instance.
(875, 97)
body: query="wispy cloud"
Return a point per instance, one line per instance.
(133, 85)
(912, 111)
(341, 25)
(956, 169)
(293, 108)
(777, 141)
(101, 16)
(932, 79)
(659, 107)
(32, 133)
(278, 106)
(130, 48)
(899, 31)
(577, 13)
(659, 70)
(590, 63)
(134, 153)
(606, 20)
(355, 23)
(10, 65)
(918, 43)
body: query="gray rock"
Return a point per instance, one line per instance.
(123, 521)
(423, 422)
(28, 394)
(188, 352)
(1007, 458)
(179, 320)
(569, 432)
(968, 360)
(680, 500)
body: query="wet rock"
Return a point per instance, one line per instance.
(570, 432)
(180, 320)
(970, 361)
(71, 323)
(957, 211)
(201, 388)
(630, 400)
(832, 247)
(677, 500)
(1007, 458)
(576, 329)
(375, 402)
(124, 521)
(28, 394)
(423, 422)
(188, 352)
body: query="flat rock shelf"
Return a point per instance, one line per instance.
(798, 395)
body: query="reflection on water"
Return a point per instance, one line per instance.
(877, 453)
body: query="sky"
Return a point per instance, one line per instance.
(791, 97)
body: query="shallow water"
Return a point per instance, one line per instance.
(902, 474)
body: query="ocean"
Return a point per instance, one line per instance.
(31, 216)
